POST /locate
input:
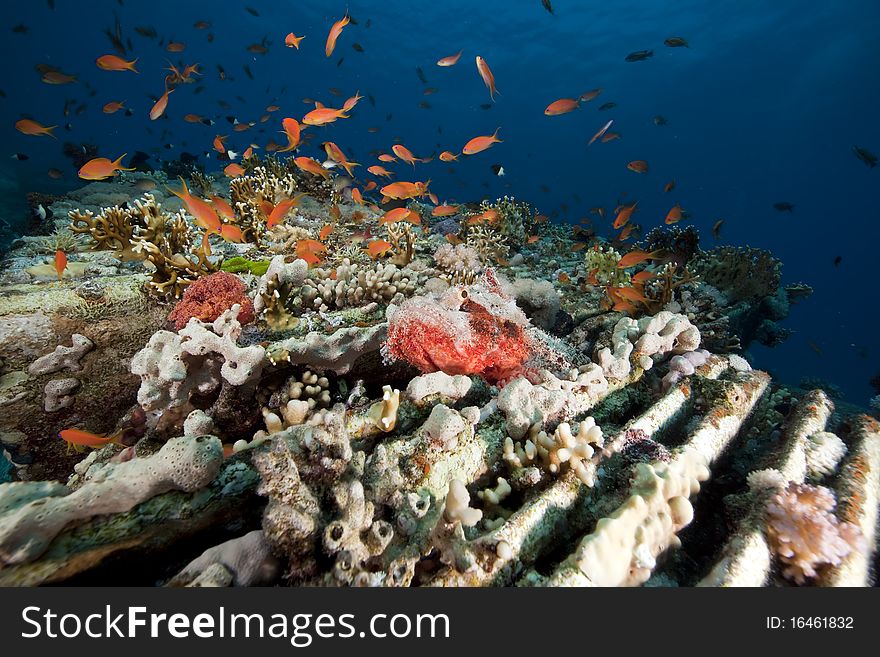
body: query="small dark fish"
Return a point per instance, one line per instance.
(716, 228)
(21, 157)
(639, 55)
(486, 106)
(421, 75)
(425, 105)
(544, 189)
(252, 11)
(784, 206)
(357, 47)
(371, 99)
(21, 28)
(199, 89)
(369, 23)
(220, 72)
(865, 156)
(202, 25)
(115, 37)
(546, 4)
(247, 72)
(838, 260)
(660, 120)
(129, 111)
(607, 106)
(676, 42)
(2, 94)
(334, 91)
(51, 4)
(339, 63)
(210, 37)
(815, 348)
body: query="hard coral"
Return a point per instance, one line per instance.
(209, 297)
(468, 330)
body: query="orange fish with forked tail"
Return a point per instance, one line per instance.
(101, 168)
(406, 155)
(78, 439)
(115, 63)
(378, 248)
(293, 41)
(624, 215)
(479, 144)
(311, 166)
(634, 258)
(561, 106)
(450, 60)
(34, 129)
(159, 108)
(488, 78)
(292, 131)
(403, 190)
(323, 116)
(204, 213)
(335, 31)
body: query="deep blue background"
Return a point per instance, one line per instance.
(764, 106)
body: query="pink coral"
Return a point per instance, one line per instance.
(805, 533)
(468, 330)
(208, 297)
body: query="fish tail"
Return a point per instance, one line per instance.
(131, 67)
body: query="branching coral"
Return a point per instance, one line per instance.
(356, 285)
(460, 263)
(561, 449)
(805, 533)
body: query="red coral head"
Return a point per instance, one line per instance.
(209, 297)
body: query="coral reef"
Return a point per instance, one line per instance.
(208, 297)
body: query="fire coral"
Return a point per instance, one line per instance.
(208, 297)
(467, 330)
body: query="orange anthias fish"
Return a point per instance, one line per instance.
(77, 438)
(231, 233)
(349, 104)
(639, 166)
(370, 186)
(668, 187)
(159, 108)
(60, 263)
(204, 212)
(291, 129)
(674, 215)
(448, 156)
(34, 129)
(450, 60)
(223, 208)
(488, 78)
(634, 258)
(601, 132)
(292, 41)
(378, 248)
(643, 277)
(280, 211)
(113, 107)
(490, 216)
(610, 136)
(376, 170)
(335, 31)
(311, 166)
(400, 214)
(323, 116)
(175, 46)
(561, 106)
(335, 153)
(325, 232)
(219, 144)
(404, 190)
(385, 157)
(630, 294)
(444, 211)
(479, 144)
(114, 63)
(234, 170)
(101, 168)
(624, 215)
(310, 250)
(406, 155)
(356, 196)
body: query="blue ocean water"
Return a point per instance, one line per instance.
(764, 106)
